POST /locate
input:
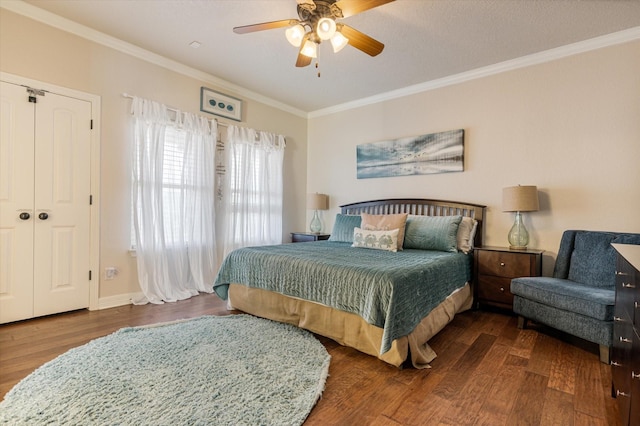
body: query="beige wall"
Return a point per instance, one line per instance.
(37, 51)
(571, 127)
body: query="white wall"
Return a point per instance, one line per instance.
(40, 52)
(571, 127)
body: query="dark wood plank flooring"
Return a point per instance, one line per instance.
(487, 372)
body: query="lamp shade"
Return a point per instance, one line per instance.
(521, 198)
(309, 49)
(295, 35)
(317, 201)
(338, 42)
(326, 28)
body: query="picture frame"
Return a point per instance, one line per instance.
(441, 152)
(220, 104)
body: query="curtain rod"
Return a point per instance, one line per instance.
(126, 95)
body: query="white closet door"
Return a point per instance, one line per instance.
(62, 209)
(16, 199)
(46, 169)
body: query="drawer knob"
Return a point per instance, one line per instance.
(625, 340)
(616, 364)
(501, 263)
(618, 319)
(620, 393)
(635, 376)
(502, 289)
(628, 285)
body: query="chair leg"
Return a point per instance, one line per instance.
(522, 322)
(604, 354)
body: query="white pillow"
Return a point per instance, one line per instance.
(378, 240)
(466, 234)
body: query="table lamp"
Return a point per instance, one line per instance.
(317, 202)
(521, 198)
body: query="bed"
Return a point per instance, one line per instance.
(379, 287)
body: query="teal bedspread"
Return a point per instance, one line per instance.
(393, 291)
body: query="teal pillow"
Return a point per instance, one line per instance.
(344, 226)
(432, 233)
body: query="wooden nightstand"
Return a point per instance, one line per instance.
(494, 267)
(301, 237)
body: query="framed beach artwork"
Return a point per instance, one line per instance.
(418, 155)
(220, 104)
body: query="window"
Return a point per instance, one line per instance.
(175, 161)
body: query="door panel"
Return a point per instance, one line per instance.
(45, 173)
(62, 189)
(16, 197)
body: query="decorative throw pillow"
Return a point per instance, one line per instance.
(343, 227)
(379, 240)
(466, 234)
(386, 222)
(432, 233)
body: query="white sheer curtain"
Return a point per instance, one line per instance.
(173, 202)
(252, 196)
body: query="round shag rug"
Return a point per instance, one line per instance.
(228, 370)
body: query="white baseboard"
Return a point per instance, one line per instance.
(118, 300)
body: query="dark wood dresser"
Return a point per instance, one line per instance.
(625, 354)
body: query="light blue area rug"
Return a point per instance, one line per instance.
(229, 370)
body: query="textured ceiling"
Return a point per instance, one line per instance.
(424, 40)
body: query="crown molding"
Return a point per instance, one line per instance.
(64, 24)
(612, 39)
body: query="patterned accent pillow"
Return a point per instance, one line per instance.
(343, 227)
(386, 222)
(432, 233)
(379, 240)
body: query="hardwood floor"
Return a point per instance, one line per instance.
(487, 372)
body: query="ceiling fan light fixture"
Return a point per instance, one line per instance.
(310, 49)
(338, 41)
(295, 34)
(326, 28)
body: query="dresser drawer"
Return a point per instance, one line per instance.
(495, 289)
(503, 264)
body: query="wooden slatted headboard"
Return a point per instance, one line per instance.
(420, 207)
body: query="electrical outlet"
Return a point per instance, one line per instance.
(110, 272)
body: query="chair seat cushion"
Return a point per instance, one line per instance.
(594, 302)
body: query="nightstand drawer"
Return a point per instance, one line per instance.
(494, 289)
(301, 237)
(503, 264)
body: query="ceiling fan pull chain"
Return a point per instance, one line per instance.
(318, 68)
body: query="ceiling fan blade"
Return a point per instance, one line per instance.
(352, 7)
(265, 26)
(361, 41)
(303, 60)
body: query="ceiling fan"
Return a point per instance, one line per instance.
(318, 22)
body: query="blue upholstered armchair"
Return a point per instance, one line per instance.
(580, 297)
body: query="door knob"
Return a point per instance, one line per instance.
(24, 216)
(43, 216)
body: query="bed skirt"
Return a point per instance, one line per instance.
(349, 329)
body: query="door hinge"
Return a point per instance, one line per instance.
(91, 125)
(33, 93)
(90, 200)
(89, 275)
